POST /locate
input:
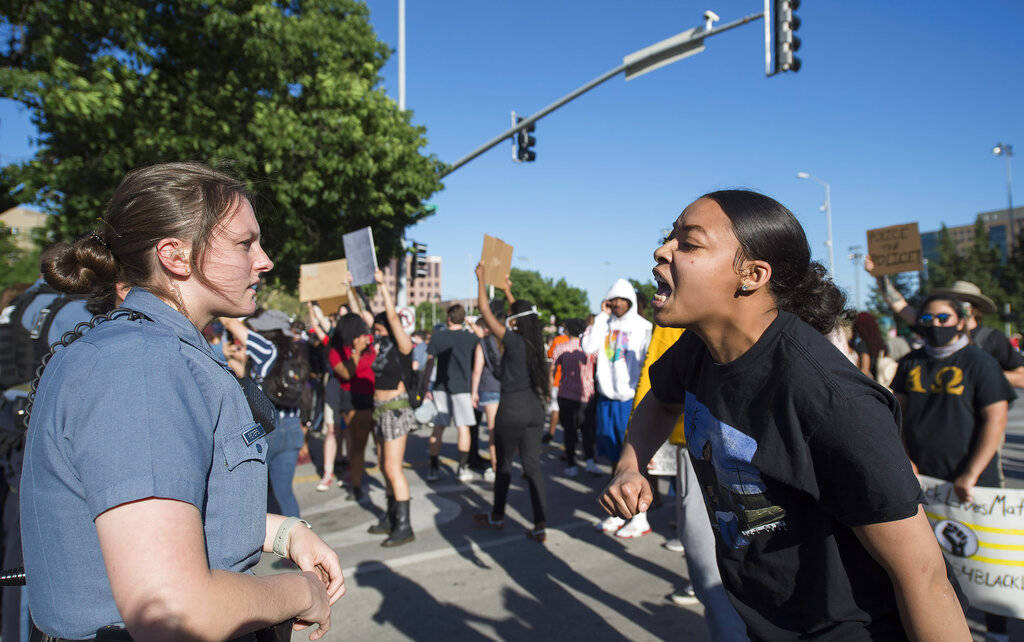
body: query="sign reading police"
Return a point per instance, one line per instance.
(895, 249)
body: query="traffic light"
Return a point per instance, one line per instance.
(786, 42)
(419, 261)
(524, 142)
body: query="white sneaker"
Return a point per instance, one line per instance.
(571, 471)
(592, 467)
(684, 596)
(637, 527)
(610, 524)
(465, 474)
(674, 545)
(489, 475)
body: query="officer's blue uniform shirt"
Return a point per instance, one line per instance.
(134, 409)
(70, 315)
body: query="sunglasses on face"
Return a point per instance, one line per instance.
(942, 317)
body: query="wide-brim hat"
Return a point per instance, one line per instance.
(968, 293)
(271, 320)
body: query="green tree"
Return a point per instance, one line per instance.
(950, 267)
(984, 264)
(17, 265)
(646, 290)
(429, 313)
(551, 297)
(287, 93)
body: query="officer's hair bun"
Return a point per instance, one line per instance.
(86, 266)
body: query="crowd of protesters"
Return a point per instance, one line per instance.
(795, 497)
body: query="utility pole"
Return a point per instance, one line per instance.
(401, 296)
(856, 256)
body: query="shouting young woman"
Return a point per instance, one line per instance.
(816, 511)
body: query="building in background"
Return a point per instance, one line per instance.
(22, 221)
(427, 288)
(997, 222)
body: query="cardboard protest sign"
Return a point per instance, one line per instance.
(324, 283)
(983, 541)
(895, 249)
(362, 258)
(497, 260)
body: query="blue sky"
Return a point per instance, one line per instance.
(897, 106)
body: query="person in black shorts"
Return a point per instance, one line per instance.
(955, 399)
(817, 514)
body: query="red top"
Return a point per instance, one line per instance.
(362, 383)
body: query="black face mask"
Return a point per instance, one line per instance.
(938, 335)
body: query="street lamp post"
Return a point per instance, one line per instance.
(827, 208)
(1007, 151)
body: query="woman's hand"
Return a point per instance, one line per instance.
(360, 343)
(869, 265)
(508, 283)
(480, 271)
(319, 612)
(476, 399)
(627, 494)
(964, 487)
(311, 554)
(378, 277)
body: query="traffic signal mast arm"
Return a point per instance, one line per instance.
(654, 55)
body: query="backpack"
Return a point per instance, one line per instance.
(21, 350)
(417, 382)
(286, 381)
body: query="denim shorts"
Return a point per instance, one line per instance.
(489, 398)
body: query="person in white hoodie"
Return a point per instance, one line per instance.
(619, 338)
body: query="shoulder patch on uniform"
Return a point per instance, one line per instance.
(253, 434)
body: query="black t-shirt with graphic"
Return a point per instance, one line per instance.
(793, 446)
(943, 411)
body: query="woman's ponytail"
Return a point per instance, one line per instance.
(85, 267)
(768, 231)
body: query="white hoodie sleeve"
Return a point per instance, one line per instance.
(593, 338)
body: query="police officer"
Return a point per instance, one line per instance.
(144, 483)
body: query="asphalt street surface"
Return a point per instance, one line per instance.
(457, 582)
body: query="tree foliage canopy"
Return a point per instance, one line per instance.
(551, 297)
(287, 94)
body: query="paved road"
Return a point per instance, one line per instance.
(458, 583)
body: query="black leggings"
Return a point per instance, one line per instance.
(518, 427)
(572, 415)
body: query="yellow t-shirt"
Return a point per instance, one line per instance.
(661, 340)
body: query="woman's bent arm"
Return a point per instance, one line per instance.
(156, 562)
(908, 551)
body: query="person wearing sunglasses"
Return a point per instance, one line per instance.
(955, 399)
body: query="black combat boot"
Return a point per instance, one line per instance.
(401, 528)
(383, 527)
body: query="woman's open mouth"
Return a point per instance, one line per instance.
(664, 289)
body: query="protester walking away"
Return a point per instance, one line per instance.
(486, 388)
(619, 338)
(351, 357)
(976, 306)
(694, 537)
(556, 377)
(393, 417)
(817, 513)
(955, 400)
(453, 347)
(281, 368)
(144, 507)
(519, 423)
(574, 393)
(333, 418)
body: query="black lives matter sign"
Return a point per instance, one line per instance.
(895, 249)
